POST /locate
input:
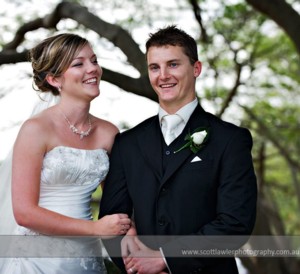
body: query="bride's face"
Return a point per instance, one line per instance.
(82, 78)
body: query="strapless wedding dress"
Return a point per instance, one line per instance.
(69, 176)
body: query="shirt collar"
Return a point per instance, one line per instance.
(185, 112)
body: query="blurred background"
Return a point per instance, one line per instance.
(250, 51)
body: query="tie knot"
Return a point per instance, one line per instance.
(171, 121)
(170, 124)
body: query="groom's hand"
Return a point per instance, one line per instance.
(144, 260)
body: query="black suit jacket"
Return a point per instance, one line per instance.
(214, 196)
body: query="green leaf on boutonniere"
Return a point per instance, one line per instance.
(196, 140)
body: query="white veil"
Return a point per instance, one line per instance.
(7, 221)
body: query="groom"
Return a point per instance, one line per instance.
(200, 186)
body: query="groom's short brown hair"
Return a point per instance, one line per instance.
(173, 36)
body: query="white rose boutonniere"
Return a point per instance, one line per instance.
(196, 140)
(198, 137)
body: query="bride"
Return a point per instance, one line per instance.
(59, 158)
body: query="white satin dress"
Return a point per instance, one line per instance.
(69, 177)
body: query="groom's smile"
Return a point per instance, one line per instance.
(172, 76)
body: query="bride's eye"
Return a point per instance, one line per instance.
(95, 61)
(77, 65)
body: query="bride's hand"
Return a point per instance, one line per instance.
(112, 225)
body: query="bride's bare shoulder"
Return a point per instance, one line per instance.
(38, 127)
(104, 133)
(104, 126)
(39, 121)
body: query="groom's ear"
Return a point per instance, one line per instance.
(197, 68)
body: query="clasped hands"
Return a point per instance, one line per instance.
(138, 258)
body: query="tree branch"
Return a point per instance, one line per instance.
(12, 57)
(234, 90)
(266, 132)
(139, 86)
(197, 13)
(118, 36)
(283, 14)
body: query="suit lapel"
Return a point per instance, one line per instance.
(150, 145)
(197, 120)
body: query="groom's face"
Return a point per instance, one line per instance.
(172, 76)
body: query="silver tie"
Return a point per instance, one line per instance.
(171, 122)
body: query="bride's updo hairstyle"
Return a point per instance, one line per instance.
(52, 57)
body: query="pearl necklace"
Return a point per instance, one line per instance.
(76, 130)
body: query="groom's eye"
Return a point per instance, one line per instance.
(153, 68)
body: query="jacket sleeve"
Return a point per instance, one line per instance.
(115, 199)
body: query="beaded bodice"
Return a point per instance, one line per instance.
(69, 176)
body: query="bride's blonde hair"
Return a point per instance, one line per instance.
(52, 57)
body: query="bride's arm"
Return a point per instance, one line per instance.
(29, 151)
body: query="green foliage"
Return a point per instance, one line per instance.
(96, 197)
(281, 136)
(111, 267)
(279, 185)
(269, 87)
